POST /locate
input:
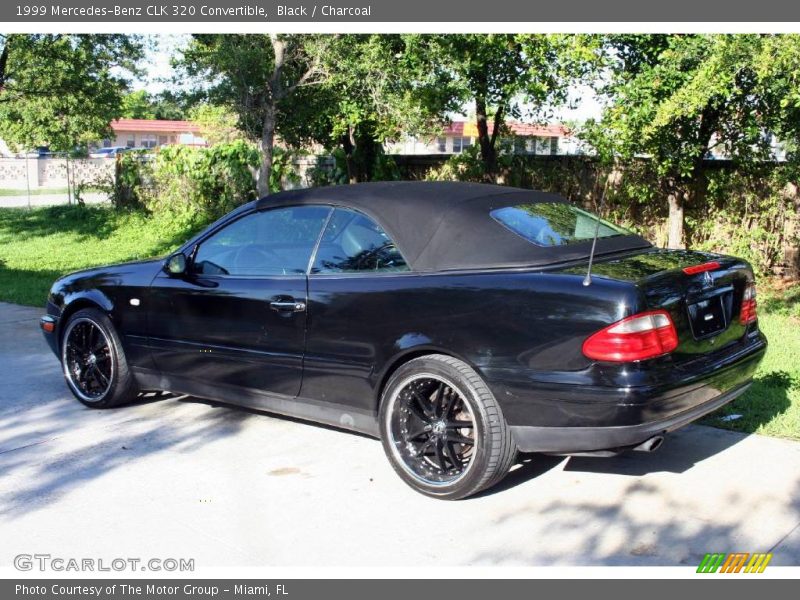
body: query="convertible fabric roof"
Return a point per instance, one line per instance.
(447, 226)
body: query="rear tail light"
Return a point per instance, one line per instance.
(639, 337)
(748, 313)
(695, 269)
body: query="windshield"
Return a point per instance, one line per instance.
(554, 223)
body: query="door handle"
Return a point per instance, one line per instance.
(287, 306)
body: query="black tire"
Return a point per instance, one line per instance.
(419, 442)
(93, 361)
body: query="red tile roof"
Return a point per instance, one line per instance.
(155, 125)
(469, 128)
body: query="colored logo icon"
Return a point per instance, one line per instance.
(735, 562)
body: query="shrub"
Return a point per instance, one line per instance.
(752, 213)
(202, 182)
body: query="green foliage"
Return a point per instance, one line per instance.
(509, 75)
(675, 98)
(381, 85)
(137, 105)
(283, 173)
(466, 166)
(741, 212)
(195, 184)
(192, 184)
(127, 186)
(217, 123)
(329, 170)
(333, 170)
(258, 77)
(239, 67)
(62, 91)
(166, 105)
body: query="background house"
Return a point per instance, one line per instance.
(527, 138)
(152, 133)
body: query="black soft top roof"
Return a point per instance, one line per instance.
(447, 225)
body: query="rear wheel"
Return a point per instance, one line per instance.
(443, 430)
(93, 361)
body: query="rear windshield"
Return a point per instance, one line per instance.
(554, 223)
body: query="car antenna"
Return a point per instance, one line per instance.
(588, 279)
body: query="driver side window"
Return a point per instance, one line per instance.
(271, 242)
(354, 243)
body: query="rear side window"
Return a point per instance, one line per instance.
(554, 223)
(354, 243)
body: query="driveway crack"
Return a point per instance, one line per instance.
(780, 541)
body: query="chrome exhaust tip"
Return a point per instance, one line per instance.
(650, 445)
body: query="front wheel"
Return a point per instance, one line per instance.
(93, 361)
(442, 428)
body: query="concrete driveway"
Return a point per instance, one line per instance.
(185, 478)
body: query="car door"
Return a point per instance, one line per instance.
(361, 294)
(237, 319)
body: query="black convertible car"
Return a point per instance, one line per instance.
(456, 322)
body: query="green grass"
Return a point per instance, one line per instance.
(772, 405)
(38, 246)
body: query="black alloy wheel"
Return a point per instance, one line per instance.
(442, 428)
(93, 361)
(88, 360)
(433, 429)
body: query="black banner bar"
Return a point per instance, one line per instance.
(443, 11)
(730, 587)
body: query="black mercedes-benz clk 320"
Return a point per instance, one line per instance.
(457, 322)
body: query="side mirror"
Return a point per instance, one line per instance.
(176, 264)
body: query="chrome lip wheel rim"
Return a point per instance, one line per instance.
(87, 360)
(432, 430)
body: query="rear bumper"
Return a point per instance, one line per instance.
(588, 439)
(566, 417)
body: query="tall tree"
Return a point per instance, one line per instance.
(675, 98)
(62, 91)
(377, 87)
(510, 75)
(256, 76)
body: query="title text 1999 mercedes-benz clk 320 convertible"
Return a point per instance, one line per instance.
(457, 322)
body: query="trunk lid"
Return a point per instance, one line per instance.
(705, 307)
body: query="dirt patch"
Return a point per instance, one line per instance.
(284, 471)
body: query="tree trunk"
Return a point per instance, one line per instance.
(485, 140)
(349, 148)
(685, 188)
(275, 94)
(267, 146)
(360, 152)
(367, 151)
(3, 63)
(675, 225)
(277, 91)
